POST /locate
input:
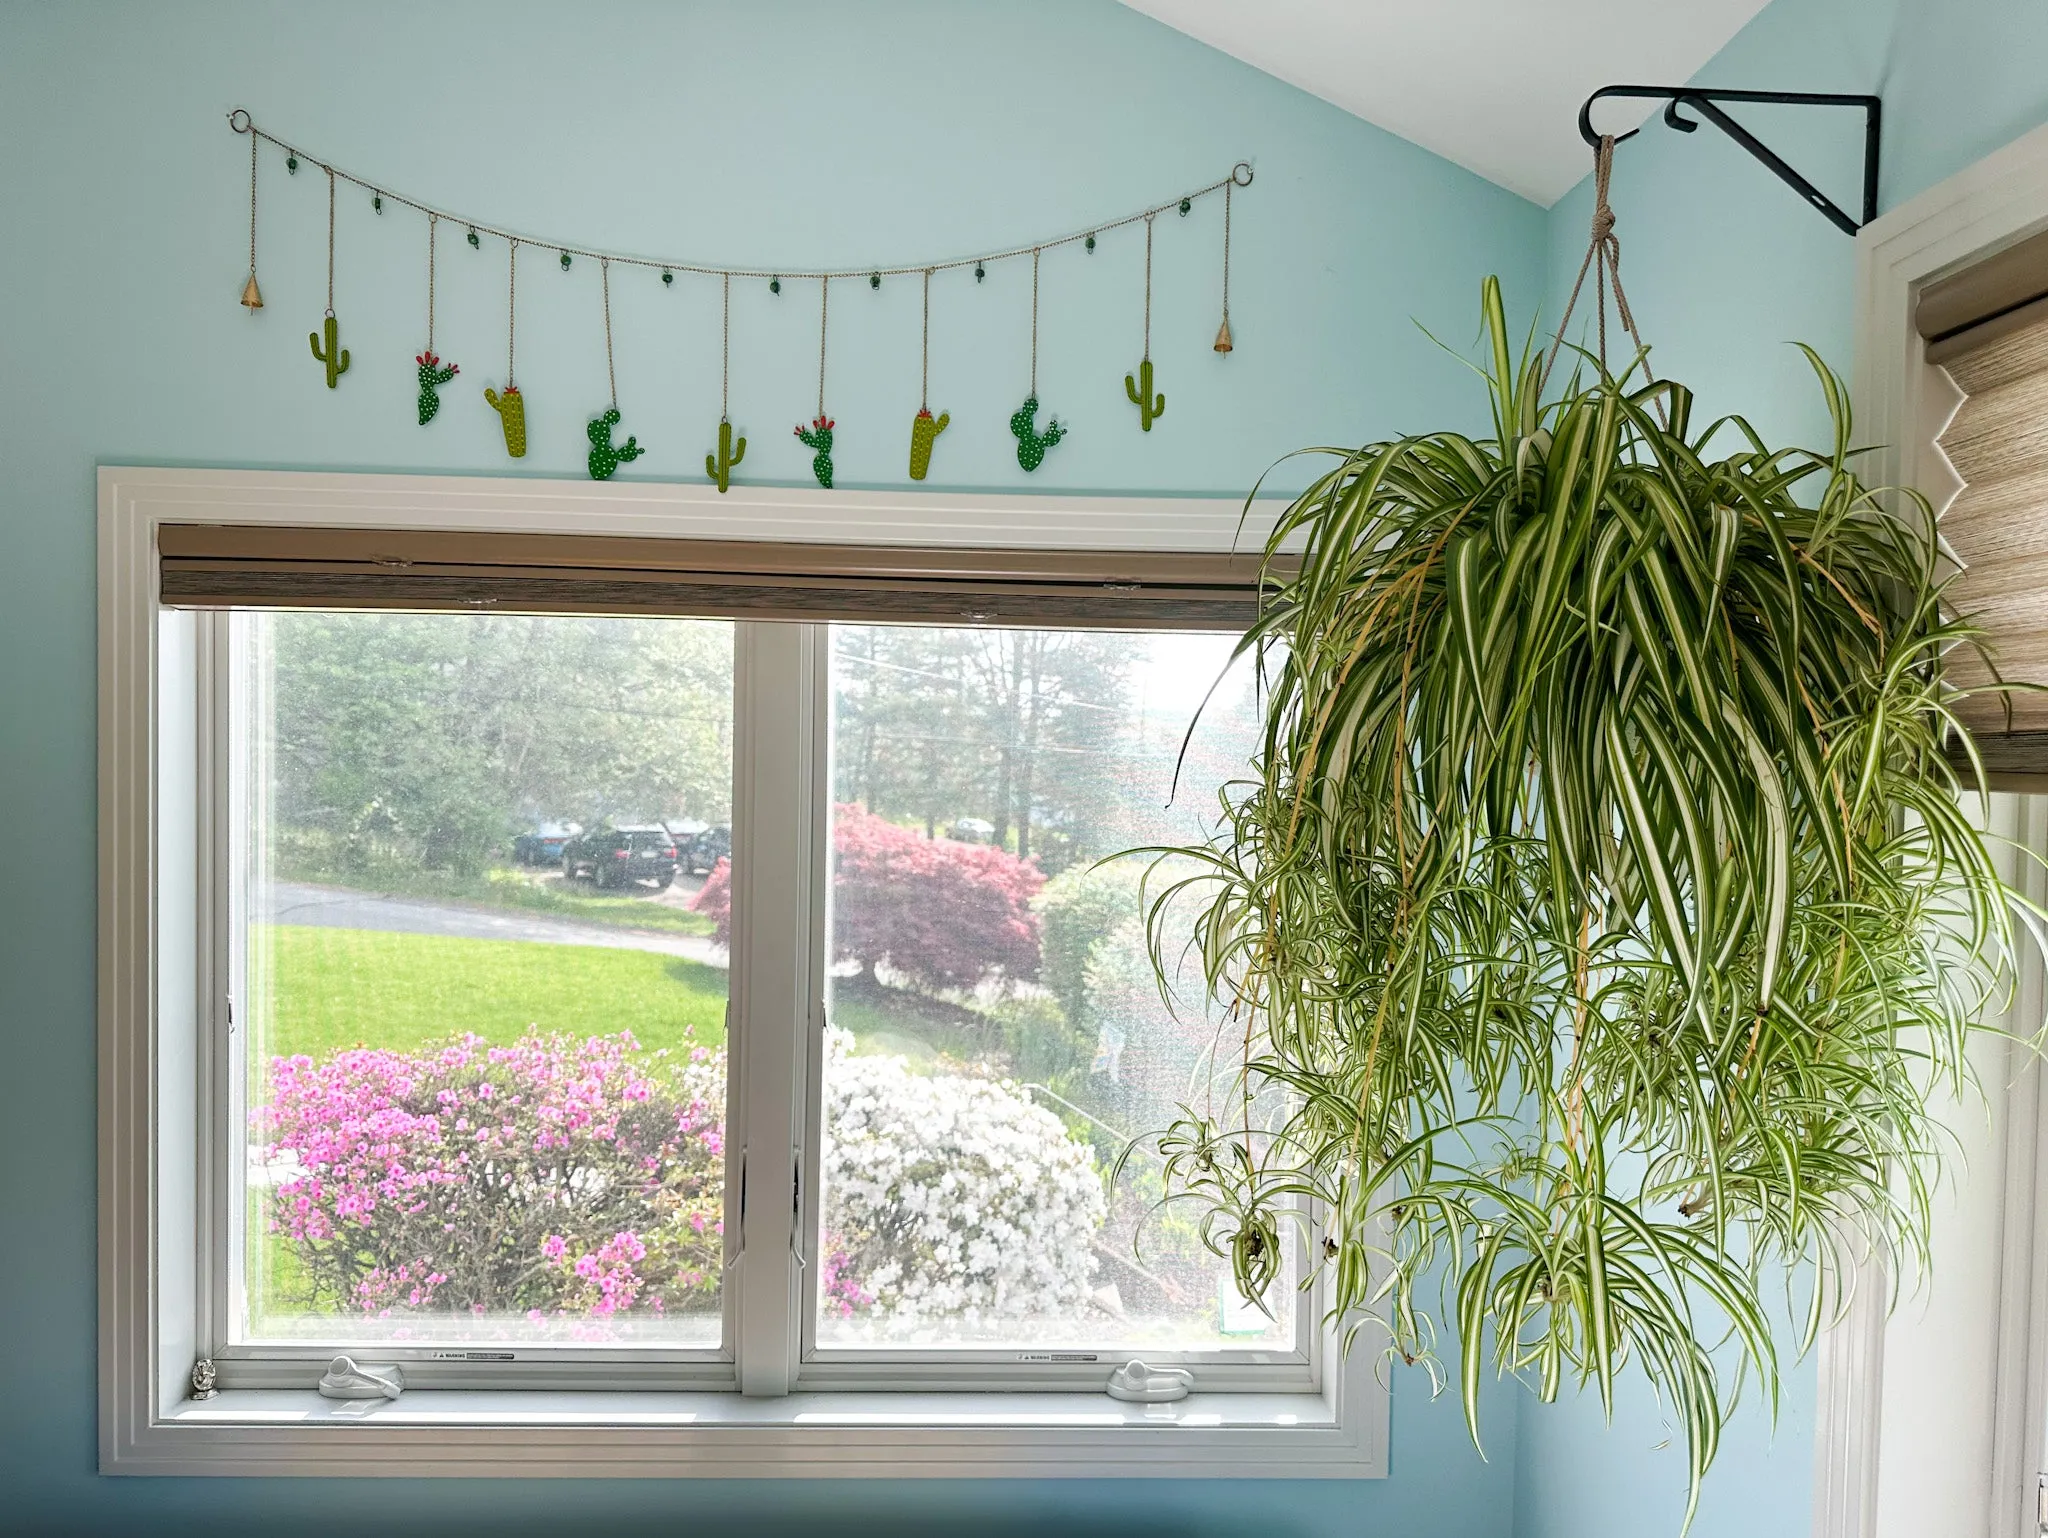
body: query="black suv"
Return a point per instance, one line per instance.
(703, 852)
(621, 853)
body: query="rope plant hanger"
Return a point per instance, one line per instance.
(604, 456)
(1598, 914)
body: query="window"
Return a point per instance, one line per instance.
(709, 973)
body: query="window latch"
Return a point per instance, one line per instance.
(1136, 1383)
(345, 1380)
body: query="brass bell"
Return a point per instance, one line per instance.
(1222, 334)
(252, 296)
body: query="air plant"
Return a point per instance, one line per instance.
(1600, 916)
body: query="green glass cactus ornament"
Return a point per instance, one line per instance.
(433, 375)
(1150, 407)
(606, 456)
(335, 356)
(924, 432)
(511, 409)
(819, 437)
(731, 451)
(1031, 443)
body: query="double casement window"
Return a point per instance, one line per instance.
(675, 998)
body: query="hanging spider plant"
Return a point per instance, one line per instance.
(1601, 915)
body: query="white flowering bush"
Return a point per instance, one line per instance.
(954, 1198)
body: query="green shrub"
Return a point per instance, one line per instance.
(1078, 910)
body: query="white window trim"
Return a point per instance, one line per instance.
(1935, 1418)
(152, 936)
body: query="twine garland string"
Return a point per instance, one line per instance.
(611, 378)
(433, 229)
(1240, 175)
(1148, 288)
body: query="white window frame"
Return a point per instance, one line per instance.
(1934, 1417)
(161, 1001)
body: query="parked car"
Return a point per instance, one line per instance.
(542, 843)
(972, 830)
(620, 854)
(703, 852)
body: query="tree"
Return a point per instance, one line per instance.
(426, 736)
(1020, 727)
(943, 913)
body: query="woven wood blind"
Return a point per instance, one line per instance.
(230, 566)
(1998, 524)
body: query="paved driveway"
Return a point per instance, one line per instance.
(331, 907)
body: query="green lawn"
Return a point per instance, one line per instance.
(335, 988)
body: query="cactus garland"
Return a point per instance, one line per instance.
(924, 427)
(730, 452)
(1031, 443)
(334, 356)
(432, 374)
(511, 408)
(605, 456)
(819, 437)
(1150, 408)
(432, 377)
(924, 432)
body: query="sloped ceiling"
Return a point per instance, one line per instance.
(1494, 85)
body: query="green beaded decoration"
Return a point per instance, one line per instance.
(667, 278)
(291, 164)
(775, 285)
(1150, 407)
(432, 377)
(605, 456)
(1031, 443)
(819, 437)
(511, 409)
(1185, 205)
(1091, 245)
(335, 357)
(874, 280)
(377, 202)
(474, 243)
(565, 261)
(980, 272)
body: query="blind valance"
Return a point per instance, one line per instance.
(230, 565)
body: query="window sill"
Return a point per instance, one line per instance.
(838, 1435)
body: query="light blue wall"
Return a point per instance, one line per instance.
(750, 133)
(1725, 266)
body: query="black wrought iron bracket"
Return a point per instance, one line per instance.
(1702, 102)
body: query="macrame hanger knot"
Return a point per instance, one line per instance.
(1603, 261)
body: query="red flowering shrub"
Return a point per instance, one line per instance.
(943, 913)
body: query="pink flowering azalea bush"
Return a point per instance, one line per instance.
(557, 1178)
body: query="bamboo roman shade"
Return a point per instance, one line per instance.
(227, 566)
(1989, 327)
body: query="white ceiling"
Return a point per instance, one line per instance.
(1494, 85)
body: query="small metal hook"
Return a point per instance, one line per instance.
(1241, 173)
(1684, 125)
(240, 121)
